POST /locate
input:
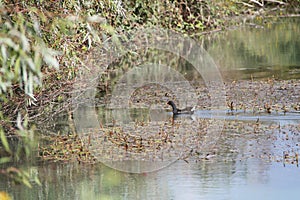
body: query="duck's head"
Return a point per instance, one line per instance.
(171, 103)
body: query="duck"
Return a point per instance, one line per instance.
(176, 111)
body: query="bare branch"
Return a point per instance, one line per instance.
(258, 3)
(275, 1)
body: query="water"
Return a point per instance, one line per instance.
(248, 162)
(212, 179)
(252, 179)
(273, 50)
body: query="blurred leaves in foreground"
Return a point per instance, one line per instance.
(23, 54)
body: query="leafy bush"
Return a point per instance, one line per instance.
(23, 55)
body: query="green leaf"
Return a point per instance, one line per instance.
(4, 53)
(23, 39)
(5, 160)
(26, 182)
(17, 66)
(31, 64)
(9, 42)
(4, 141)
(37, 181)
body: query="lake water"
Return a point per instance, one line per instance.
(247, 162)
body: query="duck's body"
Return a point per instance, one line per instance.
(176, 111)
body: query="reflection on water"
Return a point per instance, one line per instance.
(212, 179)
(273, 50)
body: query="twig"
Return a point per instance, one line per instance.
(209, 32)
(275, 1)
(247, 4)
(258, 3)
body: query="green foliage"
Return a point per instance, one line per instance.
(22, 57)
(4, 142)
(28, 36)
(184, 16)
(22, 53)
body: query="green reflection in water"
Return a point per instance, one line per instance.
(273, 49)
